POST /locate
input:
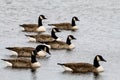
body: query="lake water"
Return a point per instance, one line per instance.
(99, 33)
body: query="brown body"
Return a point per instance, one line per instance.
(22, 51)
(58, 45)
(42, 38)
(30, 27)
(19, 62)
(80, 67)
(65, 26)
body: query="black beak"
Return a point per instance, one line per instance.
(104, 60)
(58, 31)
(77, 20)
(74, 38)
(49, 53)
(45, 18)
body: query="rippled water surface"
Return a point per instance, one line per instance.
(99, 33)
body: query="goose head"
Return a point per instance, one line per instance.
(73, 21)
(75, 18)
(96, 63)
(54, 30)
(69, 38)
(42, 50)
(42, 17)
(46, 49)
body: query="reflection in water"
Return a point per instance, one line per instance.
(97, 77)
(33, 74)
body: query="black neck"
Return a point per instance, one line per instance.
(39, 22)
(53, 34)
(68, 41)
(33, 59)
(96, 63)
(73, 22)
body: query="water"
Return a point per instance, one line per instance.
(99, 33)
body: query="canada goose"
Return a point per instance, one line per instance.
(61, 44)
(84, 67)
(26, 51)
(44, 37)
(67, 26)
(24, 63)
(35, 27)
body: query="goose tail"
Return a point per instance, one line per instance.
(4, 59)
(21, 25)
(29, 35)
(9, 48)
(60, 64)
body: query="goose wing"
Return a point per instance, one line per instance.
(58, 45)
(19, 62)
(44, 38)
(22, 51)
(81, 67)
(25, 51)
(29, 25)
(66, 26)
(17, 49)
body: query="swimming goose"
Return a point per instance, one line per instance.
(61, 44)
(44, 37)
(67, 26)
(84, 67)
(26, 51)
(35, 27)
(24, 63)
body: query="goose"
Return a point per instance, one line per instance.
(84, 67)
(44, 37)
(61, 44)
(26, 51)
(67, 26)
(23, 62)
(35, 27)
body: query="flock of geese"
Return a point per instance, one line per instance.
(50, 42)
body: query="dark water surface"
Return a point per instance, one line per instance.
(99, 33)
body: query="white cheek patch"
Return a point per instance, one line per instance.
(100, 69)
(41, 53)
(71, 46)
(67, 68)
(98, 59)
(75, 27)
(54, 30)
(74, 19)
(41, 28)
(70, 38)
(41, 17)
(36, 64)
